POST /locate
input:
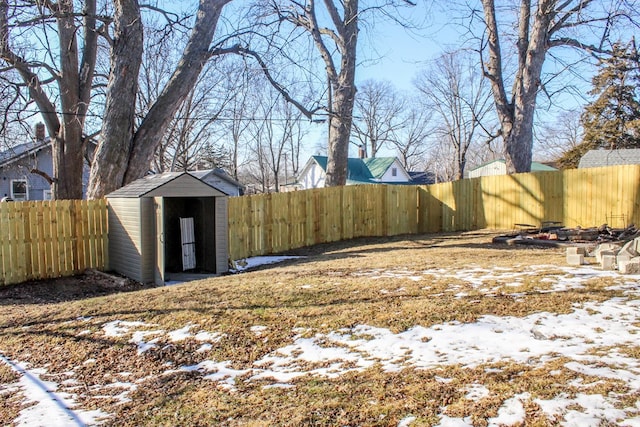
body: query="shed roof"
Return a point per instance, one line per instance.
(597, 158)
(167, 184)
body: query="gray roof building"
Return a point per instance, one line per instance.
(598, 158)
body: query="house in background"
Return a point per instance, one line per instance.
(221, 180)
(17, 181)
(499, 167)
(373, 170)
(598, 158)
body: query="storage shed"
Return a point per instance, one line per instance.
(156, 224)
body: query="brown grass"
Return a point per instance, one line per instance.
(390, 283)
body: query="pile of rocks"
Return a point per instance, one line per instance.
(621, 256)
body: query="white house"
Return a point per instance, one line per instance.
(374, 170)
(499, 167)
(18, 181)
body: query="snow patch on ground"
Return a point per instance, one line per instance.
(534, 339)
(49, 407)
(245, 264)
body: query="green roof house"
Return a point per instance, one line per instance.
(374, 170)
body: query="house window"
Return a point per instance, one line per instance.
(46, 195)
(394, 171)
(19, 189)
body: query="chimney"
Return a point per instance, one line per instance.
(40, 132)
(361, 154)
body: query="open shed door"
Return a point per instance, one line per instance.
(158, 203)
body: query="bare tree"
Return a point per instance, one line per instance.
(124, 154)
(336, 41)
(57, 75)
(193, 133)
(378, 111)
(541, 26)
(273, 132)
(333, 27)
(54, 47)
(559, 136)
(410, 140)
(461, 102)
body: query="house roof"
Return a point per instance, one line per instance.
(422, 178)
(535, 166)
(378, 165)
(219, 172)
(22, 150)
(153, 185)
(597, 158)
(361, 171)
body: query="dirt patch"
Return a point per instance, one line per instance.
(87, 285)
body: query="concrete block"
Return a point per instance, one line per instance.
(631, 266)
(577, 259)
(636, 244)
(629, 248)
(626, 253)
(606, 247)
(576, 250)
(608, 261)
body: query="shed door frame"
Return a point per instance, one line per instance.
(158, 203)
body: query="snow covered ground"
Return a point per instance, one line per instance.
(533, 340)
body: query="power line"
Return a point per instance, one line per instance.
(227, 119)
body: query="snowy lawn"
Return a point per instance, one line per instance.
(420, 331)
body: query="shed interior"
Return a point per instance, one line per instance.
(202, 210)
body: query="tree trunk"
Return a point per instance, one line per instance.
(124, 155)
(339, 133)
(74, 78)
(112, 154)
(516, 115)
(344, 91)
(149, 134)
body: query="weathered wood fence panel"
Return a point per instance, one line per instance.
(580, 197)
(41, 240)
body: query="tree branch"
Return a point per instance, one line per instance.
(265, 70)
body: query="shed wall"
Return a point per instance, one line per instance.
(148, 237)
(125, 243)
(222, 235)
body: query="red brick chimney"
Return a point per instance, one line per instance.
(40, 131)
(361, 151)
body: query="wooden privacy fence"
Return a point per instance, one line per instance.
(272, 223)
(40, 240)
